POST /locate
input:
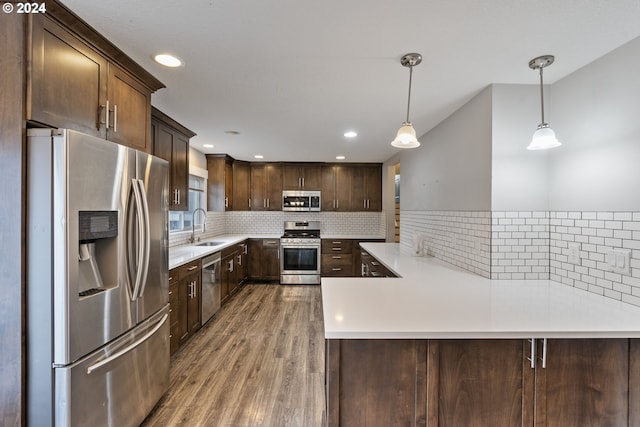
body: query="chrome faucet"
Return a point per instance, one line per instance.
(193, 224)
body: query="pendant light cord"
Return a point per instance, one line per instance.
(409, 97)
(541, 95)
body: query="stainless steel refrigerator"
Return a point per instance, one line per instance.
(97, 284)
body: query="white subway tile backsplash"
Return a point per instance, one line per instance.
(332, 223)
(271, 222)
(461, 238)
(525, 239)
(596, 233)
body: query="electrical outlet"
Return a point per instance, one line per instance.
(618, 261)
(573, 256)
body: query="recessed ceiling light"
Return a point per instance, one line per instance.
(232, 132)
(207, 145)
(168, 60)
(259, 156)
(350, 134)
(340, 157)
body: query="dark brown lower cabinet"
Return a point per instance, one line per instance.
(586, 383)
(184, 303)
(478, 383)
(264, 259)
(376, 382)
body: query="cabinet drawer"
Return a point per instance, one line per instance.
(173, 276)
(188, 269)
(340, 265)
(228, 252)
(337, 246)
(271, 243)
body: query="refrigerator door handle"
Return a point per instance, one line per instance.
(128, 348)
(140, 240)
(146, 242)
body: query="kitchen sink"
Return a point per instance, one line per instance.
(213, 243)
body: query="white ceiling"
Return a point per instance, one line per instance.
(293, 75)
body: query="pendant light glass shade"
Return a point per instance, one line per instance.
(406, 137)
(544, 137)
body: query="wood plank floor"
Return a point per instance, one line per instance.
(258, 362)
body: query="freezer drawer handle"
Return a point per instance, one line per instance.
(127, 349)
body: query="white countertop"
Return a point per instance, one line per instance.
(179, 255)
(435, 300)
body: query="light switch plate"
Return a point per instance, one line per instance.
(618, 261)
(573, 256)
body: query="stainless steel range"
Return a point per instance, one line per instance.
(300, 253)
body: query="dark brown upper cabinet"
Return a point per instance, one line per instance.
(301, 176)
(220, 182)
(266, 187)
(77, 79)
(171, 142)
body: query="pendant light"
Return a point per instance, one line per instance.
(544, 137)
(406, 137)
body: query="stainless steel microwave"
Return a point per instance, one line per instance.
(301, 201)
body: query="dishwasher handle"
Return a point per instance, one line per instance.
(211, 259)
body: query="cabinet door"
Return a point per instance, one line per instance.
(130, 115)
(266, 187)
(180, 171)
(477, 383)
(183, 312)
(242, 262)
(301, 177)
(328, 188)
(377, 383)
(255, 259)
(366, 188)
(174, 148)
(292, 177)
(373, 179)
(274, 188)
(345, 196)
(67, 80)
(193, 304)
(258, 187)
(271, 259)
(585, 383)
(312, 177)
(228, 187)
(241, 186)
(358, 189)
(226, 277)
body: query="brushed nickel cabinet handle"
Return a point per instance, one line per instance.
(115, 117)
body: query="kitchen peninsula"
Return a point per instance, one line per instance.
(439, 346)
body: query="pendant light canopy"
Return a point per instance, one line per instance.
(406, 137)
(544, 137)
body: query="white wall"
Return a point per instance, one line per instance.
(596, 115)
(519, 177)
(451, 170)
(196, 158)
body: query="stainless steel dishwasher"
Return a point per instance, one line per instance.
(210, 298)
